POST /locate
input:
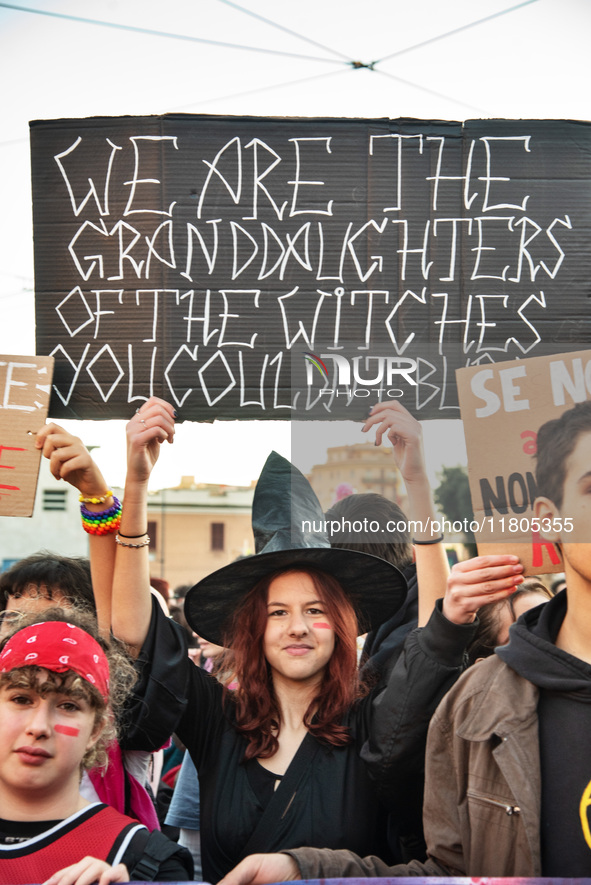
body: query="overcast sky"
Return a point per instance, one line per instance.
(429, 60)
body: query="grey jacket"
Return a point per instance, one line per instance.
(483, 789)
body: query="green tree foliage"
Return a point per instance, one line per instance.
(453, 498)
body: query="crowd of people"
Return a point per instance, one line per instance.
(452, 747)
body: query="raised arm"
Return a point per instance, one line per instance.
(406, 436)
(70, 460)
(152, 425)
(479, 581)
(432, 660)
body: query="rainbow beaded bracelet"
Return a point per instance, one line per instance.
(104, 522)
(98, 499)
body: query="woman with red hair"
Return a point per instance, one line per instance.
(309, 640)
(278, 758)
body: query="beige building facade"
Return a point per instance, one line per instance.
(196, 529)
(364, 467)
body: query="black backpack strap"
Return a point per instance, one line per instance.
(157, 849)
(127, 792)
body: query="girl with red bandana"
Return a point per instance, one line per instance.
(58, 687)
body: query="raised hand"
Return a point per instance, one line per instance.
(480, 581)
(151, 425)
(405, 434)
(69, 459)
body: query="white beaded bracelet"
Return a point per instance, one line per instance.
(123, 544)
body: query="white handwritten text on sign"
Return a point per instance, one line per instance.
(201, 258)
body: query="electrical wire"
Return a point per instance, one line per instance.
(154, 33)
(428, 91)
(272, 86)
(16, 276)
(259, 89)
(455, 31)
(6, 296)
(283, 28)
(14, 141)
(355, 65)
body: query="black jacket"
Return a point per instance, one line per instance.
(333, 803)
(433, 658)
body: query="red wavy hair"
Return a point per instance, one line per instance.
(258, 716)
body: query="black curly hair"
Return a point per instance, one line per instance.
(56, 577)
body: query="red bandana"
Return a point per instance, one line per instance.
(59, 647)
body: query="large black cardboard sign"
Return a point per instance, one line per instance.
(303, 268)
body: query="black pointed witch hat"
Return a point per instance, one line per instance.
(289, 531)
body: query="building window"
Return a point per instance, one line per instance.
(153, 534)
(54, 499)
(217, 535)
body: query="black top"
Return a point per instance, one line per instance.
(565, 836)
(333, 804)
(384, 645)
(14, 831)
(263, 782)
(564, 717)
(433, 658)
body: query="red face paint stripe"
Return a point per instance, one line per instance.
(67, 729)
(322, 625)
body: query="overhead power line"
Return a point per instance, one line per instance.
(167, 34)
(343, 59)
(455, 31)
(14, 141)
(267, 88)
(283, 28)
(427, 90)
